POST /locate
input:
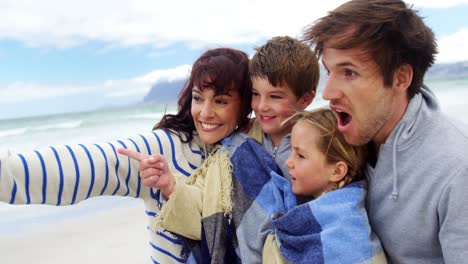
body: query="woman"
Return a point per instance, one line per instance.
(66, 175)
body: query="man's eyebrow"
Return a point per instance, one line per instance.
(341, 64)
(346, 64)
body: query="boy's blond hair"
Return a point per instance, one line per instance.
(332, 143)
(286, 61)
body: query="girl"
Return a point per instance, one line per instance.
(332, 227)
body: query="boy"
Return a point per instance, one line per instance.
(285, 74)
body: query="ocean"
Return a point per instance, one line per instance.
(107, 125)
(26, 134)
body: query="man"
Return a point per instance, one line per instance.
(376, 53)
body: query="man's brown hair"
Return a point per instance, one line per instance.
(391, 32)
(285, 60)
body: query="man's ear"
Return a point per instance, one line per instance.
(306, 99)
(402, 78)
(339, 171)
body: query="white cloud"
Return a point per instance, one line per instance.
(437, 3)
(66, 23)
(453, 47)
(134, 87)
(140, 86)
(58, 23)
(24, 91)
(61, 23)
(166, 75)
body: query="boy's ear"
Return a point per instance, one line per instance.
(339, 171)
(306, 99)
(403, 77)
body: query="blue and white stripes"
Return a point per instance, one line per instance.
(65, 175)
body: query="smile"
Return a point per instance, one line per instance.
(209, 126)
(263, 117)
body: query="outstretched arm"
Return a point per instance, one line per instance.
(68, 174)
(64, 175)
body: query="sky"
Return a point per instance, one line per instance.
(79, 55)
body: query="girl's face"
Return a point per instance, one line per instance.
(215, 116)
(311, 173)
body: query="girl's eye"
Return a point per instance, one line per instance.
(299, 155)
(255, 94)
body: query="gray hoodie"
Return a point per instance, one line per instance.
(418, 191)
(280, 154)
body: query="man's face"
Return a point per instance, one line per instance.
(366, 109)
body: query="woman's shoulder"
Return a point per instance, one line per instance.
(170, 134)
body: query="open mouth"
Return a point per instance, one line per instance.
(343, 118)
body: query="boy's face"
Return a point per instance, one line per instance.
(365, 108)
(311, 173)
(272, 105)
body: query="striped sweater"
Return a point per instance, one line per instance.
(69, 174)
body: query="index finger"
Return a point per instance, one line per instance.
(132, 154)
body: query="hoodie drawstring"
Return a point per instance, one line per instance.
(395, 174)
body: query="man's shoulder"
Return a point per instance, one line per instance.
(459, 128)
(451, 130)
(448, 140)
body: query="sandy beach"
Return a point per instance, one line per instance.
(117, 235)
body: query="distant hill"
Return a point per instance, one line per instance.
(164, 92)
(449, 70)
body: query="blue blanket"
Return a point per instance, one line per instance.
(331, 229)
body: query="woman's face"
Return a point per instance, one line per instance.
(215, 116)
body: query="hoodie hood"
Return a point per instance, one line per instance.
(417, 120)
